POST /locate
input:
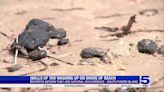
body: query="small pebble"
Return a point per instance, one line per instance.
(54, 64)
(161, 50)
(37, 54)
(92, 52)
(131, 44)
(63, 41)
(14, 68)
(147, 46)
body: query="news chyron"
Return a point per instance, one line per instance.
(75, 81)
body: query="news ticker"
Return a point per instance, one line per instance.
(74, 81)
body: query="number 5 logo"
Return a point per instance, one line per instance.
(145, 79)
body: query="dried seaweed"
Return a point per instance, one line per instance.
(69, 9)
(9, 37)
(111, 16)
(43, 69)
(60, 60)
(149, 12)
(148, 30)
(107, 28)
(155, 82)
(126, 29)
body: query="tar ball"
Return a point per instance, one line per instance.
(161, 50)
(37, 54)
(63, 41)
(57, 33)
(147, 46)
(92, 52)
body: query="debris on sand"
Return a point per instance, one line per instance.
(5, 35)
(107, 28)
(161, 50)
(69, 9)
(106, 59)
(21, 49)
(131, 90)
(149, 12)
(120, 32)
(92, 52)
(126, 29)
(37, 54)
(14, 68)
(86, 62)
(147, 46)
(43, 69)
(36, 34)
(63, 41)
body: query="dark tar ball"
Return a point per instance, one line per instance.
(161, 50)
(147, 46)
(37, 54)
(92, 52)
(63, 41)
